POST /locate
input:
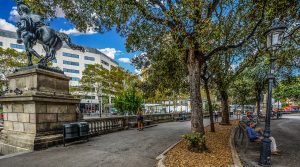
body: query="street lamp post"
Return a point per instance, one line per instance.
(274, 41)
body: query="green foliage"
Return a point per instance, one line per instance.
(288, 89)
(9, 60)
(128, 101)
(195, 141)
(215, 106)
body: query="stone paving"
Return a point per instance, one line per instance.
(125, 148)
(286, 133)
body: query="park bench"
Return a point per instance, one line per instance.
(75, 131)
(241, 139)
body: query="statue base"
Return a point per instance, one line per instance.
(36, 106)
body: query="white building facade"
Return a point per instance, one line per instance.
(72, 62)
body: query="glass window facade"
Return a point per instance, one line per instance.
(104, 62)
(17, 46)
(71, 63)
(89, 97)
(89, 58)
(75, 79)
(1, 43)
(54, 61)
(71, 55)
(71, 71)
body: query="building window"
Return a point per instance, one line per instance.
(17, 46)
(89, 58)
(75, 79)
(104, 62)
(1, 43)
(54, 61)
(71, 55)
(86, 65)
(89, 97)
(71, 71)
(71, 63)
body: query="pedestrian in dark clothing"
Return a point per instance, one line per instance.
(140, 120)
(216, 115)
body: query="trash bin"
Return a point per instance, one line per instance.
(71, 130)
(83, 128)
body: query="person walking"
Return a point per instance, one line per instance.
(216, 115)
(140, 120)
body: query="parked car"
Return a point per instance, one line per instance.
(114, 111)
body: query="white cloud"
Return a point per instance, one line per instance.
(14, 15)
(124, 60)
(110, 52)
(59, 12)
(4, 25)
(74, 31)
(138, 71)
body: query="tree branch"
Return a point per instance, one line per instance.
(293, 32)
(227, 47)
(158, 2)
(148, 15)
(170, 4)
(212, 7)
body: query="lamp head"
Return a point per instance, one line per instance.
(275, 34)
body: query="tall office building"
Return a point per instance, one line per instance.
(72, 62)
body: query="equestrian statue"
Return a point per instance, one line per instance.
(31, 29)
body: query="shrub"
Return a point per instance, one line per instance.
(195, 141)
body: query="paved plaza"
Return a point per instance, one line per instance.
(125, 148)
(286, 132)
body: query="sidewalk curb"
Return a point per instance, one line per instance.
(162, 156)
(235, 156)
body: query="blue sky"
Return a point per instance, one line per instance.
(110, 42)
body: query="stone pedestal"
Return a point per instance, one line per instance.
(36, 107)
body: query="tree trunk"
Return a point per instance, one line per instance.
(225, 108)
(194, 67)
(210, 109)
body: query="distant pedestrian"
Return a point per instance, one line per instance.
(238, 115)
(140, 119)
(216, 115)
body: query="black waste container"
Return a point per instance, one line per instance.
(71, 130)
(83, 128)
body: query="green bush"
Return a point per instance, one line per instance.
(195, 141)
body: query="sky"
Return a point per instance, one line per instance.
(110, 43)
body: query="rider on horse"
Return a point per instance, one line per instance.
(27, 27)
(31, 28)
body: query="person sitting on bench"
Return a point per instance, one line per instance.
(255, 135)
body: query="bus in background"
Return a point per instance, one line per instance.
(291, 108)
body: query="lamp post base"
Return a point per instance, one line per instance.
(265, 152)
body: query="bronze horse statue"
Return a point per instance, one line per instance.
(32, 29)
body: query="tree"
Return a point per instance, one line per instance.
(128, 101)
(288, 89)
(205, 76)
(10, 59)
(200, 29)
(258, 75)
(94, 79)
(242, 90)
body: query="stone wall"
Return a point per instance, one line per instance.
(34, 117)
